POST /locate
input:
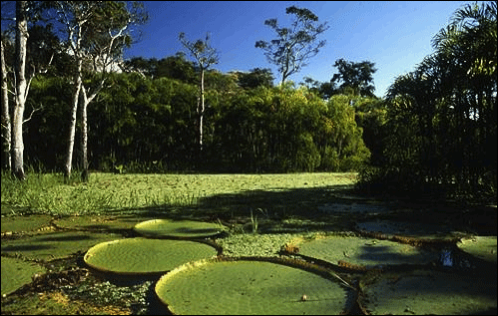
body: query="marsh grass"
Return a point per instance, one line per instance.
(47, 193)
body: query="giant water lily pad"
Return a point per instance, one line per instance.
(365, 251)
(16, 273)
(243, 287)
(24, 223)
(99, 222)
(483, 247)
(430, 292)
(54, 245)
(145, 256)
(157, 228)
(410, 229)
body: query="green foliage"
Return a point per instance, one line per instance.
(255, 78)
(355, 76)
(440, 130)
(146, 124)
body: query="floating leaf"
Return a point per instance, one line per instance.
(365, 252)
(24, 223)
(157, 228)
(16, 273)
(430, 292)
(145, 256)
(483, 247)
(239, 286)
(54, 245)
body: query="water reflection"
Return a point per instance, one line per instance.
(445, 258)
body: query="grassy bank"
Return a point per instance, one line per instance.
(47, 193)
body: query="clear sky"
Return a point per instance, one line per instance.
(395, 35)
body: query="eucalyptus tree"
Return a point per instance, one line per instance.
(26, 11)
(6, 124)
(205, 56)
(30, 53)
(96, 34)
(295, 45)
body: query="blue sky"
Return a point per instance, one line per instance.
(395, 35)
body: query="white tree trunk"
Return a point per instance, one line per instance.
(72, 126)
(21, 90)
(200, 113)
(6, 127)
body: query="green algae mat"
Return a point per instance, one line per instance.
(145, 256)
(242, 287)
(16, 273)
(430, 292)
(366, 252)
(163, 228)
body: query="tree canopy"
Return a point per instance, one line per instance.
(295, 45)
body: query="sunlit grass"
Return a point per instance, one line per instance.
(47, 193)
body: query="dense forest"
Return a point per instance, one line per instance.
(433, 134)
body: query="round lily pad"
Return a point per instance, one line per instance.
(365, 251)
(16, 273)
(158, 228)
(54, 245)
(483, 247)
(430, 292)
(243, 287)
(145, 256)
(24, 223)
(421, 231)
(94, 222)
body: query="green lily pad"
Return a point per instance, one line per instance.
(158, 228)
(365, 252)
(243, 287)
(483, 247)
(99, 222)
(54, 245)
(16, 273)
(430, 292)
(423, 231)
(24, 223)
(145, 256)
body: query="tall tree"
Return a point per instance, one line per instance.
(294, 45)
(447, 109)
(358, 77)
(205, 56)
(31, 53)
(6, 126)
(97, 31)
(22, 88)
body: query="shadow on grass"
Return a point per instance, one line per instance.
(285, 210)
(302, 210)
